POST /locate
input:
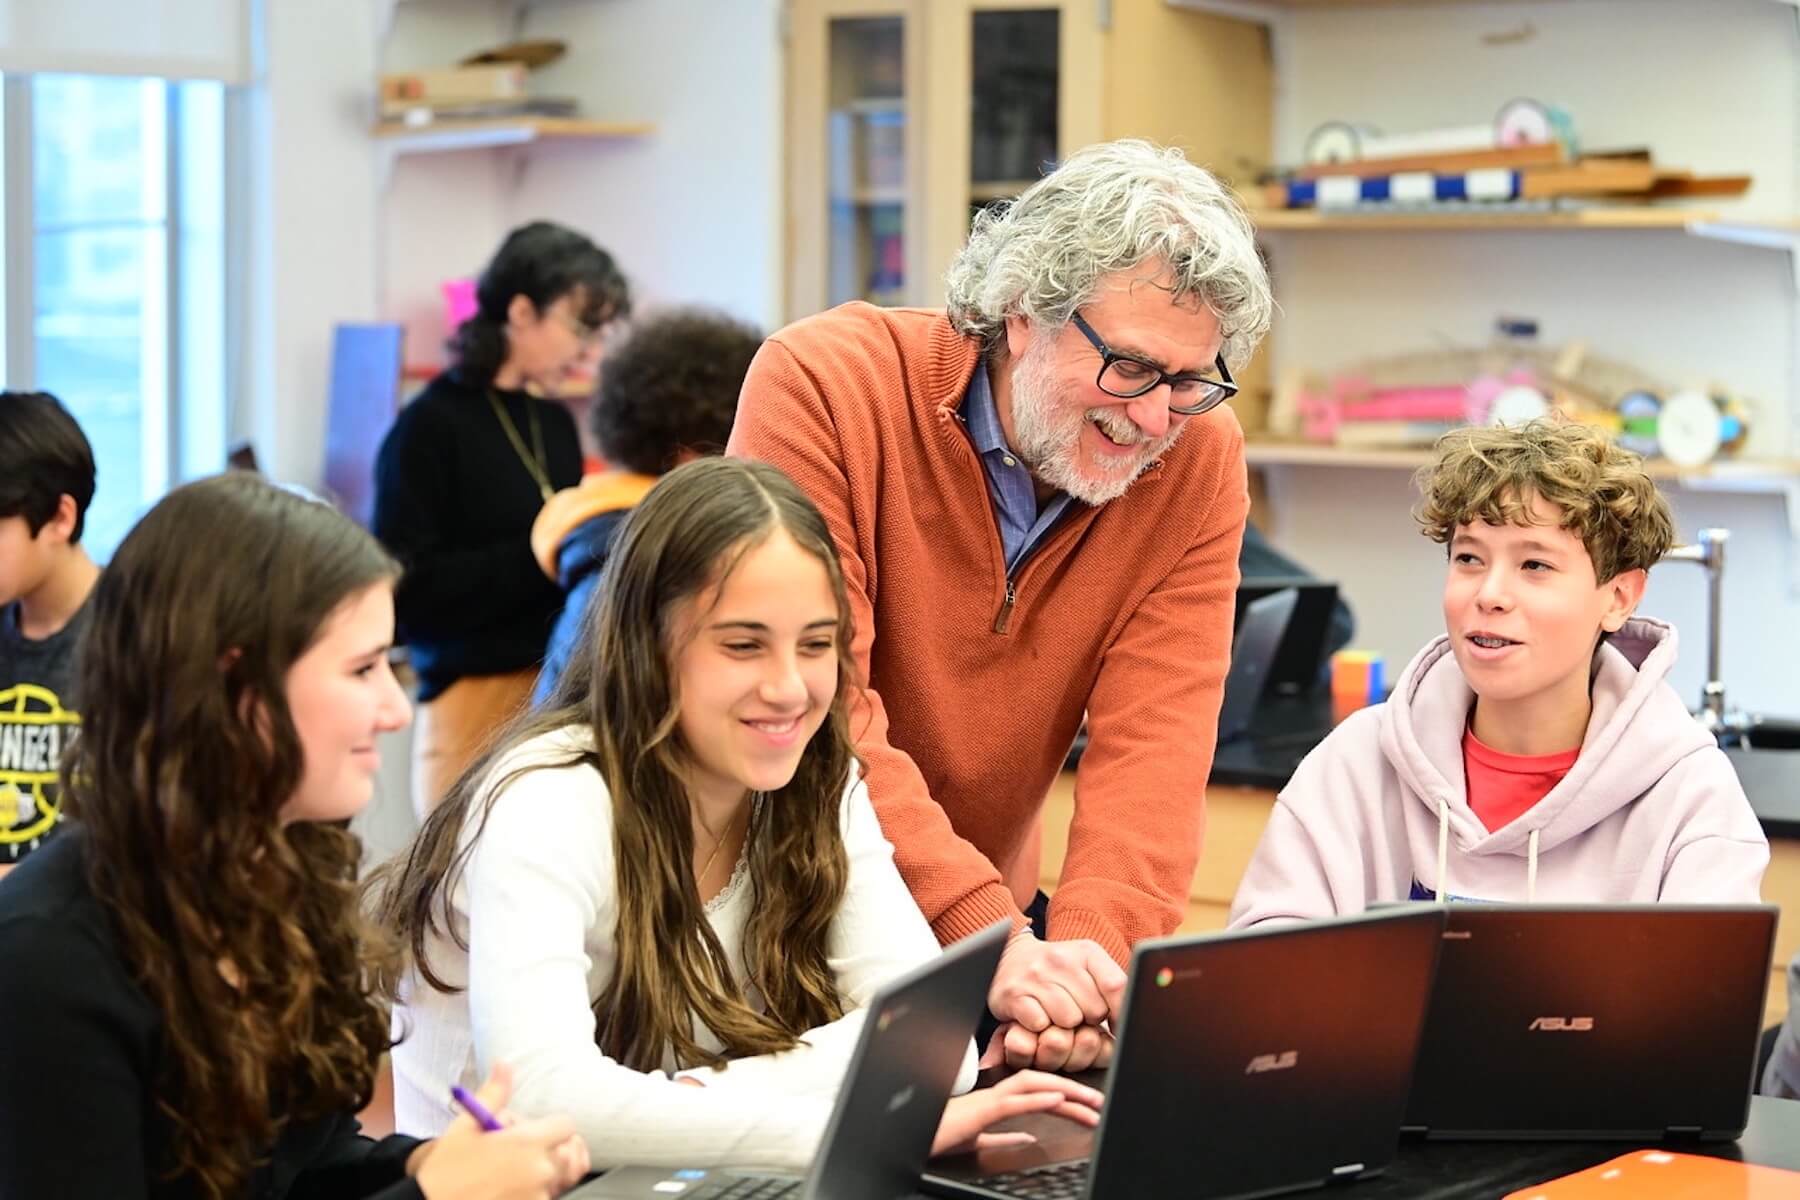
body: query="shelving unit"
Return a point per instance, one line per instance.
(1701, 223)
(1269, 11)
(1720, 475)
(490, 157)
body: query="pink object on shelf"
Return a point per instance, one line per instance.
(459, 302)
(1484, 388)
(1321, 414)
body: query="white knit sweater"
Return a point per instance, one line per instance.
(537, 902)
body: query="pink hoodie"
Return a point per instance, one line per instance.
(1651, 810)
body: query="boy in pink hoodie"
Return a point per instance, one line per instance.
(1536, 751)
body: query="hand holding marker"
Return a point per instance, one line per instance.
(469, 1104)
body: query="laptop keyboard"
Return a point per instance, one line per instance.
(1060, 1181)
(745, 1189)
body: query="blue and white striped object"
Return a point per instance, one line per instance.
(1490, 184)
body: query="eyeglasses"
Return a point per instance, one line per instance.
(1126, 377)
(587, 335)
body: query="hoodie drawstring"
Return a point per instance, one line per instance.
(1443, 871)
(1443, 884)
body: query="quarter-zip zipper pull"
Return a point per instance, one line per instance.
(1005, 615)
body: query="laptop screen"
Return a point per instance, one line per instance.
(1298, 663)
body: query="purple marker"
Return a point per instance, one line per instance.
(475, 1109)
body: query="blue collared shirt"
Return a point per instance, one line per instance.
(1022, 524)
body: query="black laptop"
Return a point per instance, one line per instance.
(1247, 1063)
(918, 1030)
(1636, 1022)
(1296, 666)
(1261, 626)
(1275, 710)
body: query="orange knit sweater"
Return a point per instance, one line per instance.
(977, 686)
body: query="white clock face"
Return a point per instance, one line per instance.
(1687, 431)
(1518, 404)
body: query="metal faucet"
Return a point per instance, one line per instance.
(1709, 552)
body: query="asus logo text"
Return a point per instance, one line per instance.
(1563, 1024)
(1272, 1062)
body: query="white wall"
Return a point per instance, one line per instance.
(1711, 86)
(312, 232)
(692, 212)
(438, 216)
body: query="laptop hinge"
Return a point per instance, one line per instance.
(1347, 1171)
(1689, 1132)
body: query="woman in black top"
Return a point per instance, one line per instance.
(186, 995)
(463, 473)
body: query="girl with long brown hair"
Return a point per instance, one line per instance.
(664, 898)
(188, 999)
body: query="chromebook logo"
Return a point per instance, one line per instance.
(1165, 977)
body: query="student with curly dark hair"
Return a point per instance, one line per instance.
(189, 982)
(667, 396)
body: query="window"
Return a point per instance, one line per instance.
(117, 304)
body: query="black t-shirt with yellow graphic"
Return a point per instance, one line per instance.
(38, 716)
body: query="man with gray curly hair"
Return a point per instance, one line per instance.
(1039, 497)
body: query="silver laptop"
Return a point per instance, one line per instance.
(887, 1113)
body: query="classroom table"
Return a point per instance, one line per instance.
(1489, 1170)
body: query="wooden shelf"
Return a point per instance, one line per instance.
(1263, 10)
(439, 136)
(1305, 220)
(1720, 473)
(1315, 454)
(1361, 3)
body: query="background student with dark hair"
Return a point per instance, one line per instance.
(461, 476)
(668, 396)
(46, 577)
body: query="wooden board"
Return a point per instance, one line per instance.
(1680, 183)
(529, 128)
(1411, 220)
(1544, 154)
(1594, 177)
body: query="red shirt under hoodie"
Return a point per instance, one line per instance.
(1503, 787)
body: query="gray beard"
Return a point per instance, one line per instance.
(1049, 433)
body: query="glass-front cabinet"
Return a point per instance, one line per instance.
(853, 131)
(865, 153)
(907, 117)
(1013, 110)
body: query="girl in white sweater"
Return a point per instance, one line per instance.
(664, 899)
